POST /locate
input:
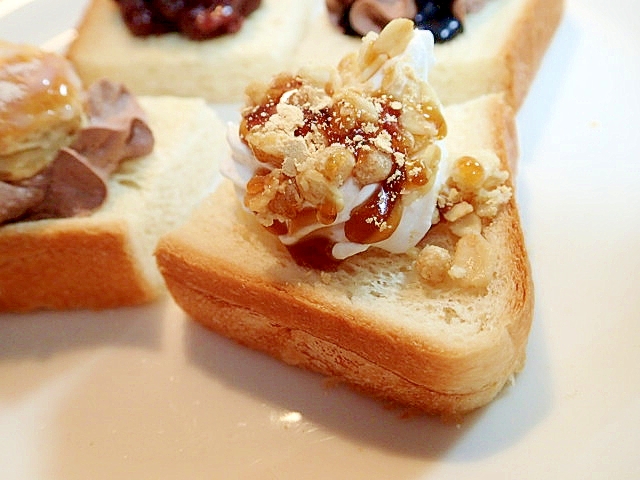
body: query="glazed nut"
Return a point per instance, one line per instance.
(416, 123)
(363, 108)
(372, 166)
(338, 163)
(288, 201)
(473, 261)
(369, 64)
(266, 146)
(429, 156)
(315, 188)
(377, 49)
(261, 189)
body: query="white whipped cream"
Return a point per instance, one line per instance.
(418, 206)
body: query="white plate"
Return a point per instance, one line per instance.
(146, 393)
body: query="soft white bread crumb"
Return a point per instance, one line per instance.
(105, 259)
(373, 323)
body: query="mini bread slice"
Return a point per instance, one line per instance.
(373, 323)
(106, 259)
(500, 49)
(217, 69)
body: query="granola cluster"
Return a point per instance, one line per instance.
(472, 196)
(321, 131)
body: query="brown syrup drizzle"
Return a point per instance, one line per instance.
(378, 217)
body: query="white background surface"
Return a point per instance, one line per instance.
(146, 393)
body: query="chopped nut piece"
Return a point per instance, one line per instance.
(479, 181)
(417, 123)
(490, 201)
(336, 163)
(458, 211)
(393, 40)
(376, 50)
(355, 104)
(315, 188)
(473, 261)
(467, 225)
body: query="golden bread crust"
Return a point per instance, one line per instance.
(528, 41)
(38, 269)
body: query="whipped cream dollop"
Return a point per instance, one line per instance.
(349, 158)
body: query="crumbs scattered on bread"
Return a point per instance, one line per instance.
(470, 199)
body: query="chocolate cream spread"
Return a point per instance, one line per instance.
(75, 182)
(442, 17)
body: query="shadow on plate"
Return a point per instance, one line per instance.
(343, 412)
(542, 98)
(28, 340)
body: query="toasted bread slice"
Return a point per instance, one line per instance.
(106, 259)
(500, 49)
(372, 323)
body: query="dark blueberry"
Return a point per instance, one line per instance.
(170, 9)
(437, 16)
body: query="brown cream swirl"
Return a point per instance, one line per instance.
(363, 16)
(75, 182)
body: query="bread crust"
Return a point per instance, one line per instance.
(528, 41)
(506, 61)
(105, 260)
(67, 264)
(236, 279)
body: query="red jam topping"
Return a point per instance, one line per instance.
(196, 19)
